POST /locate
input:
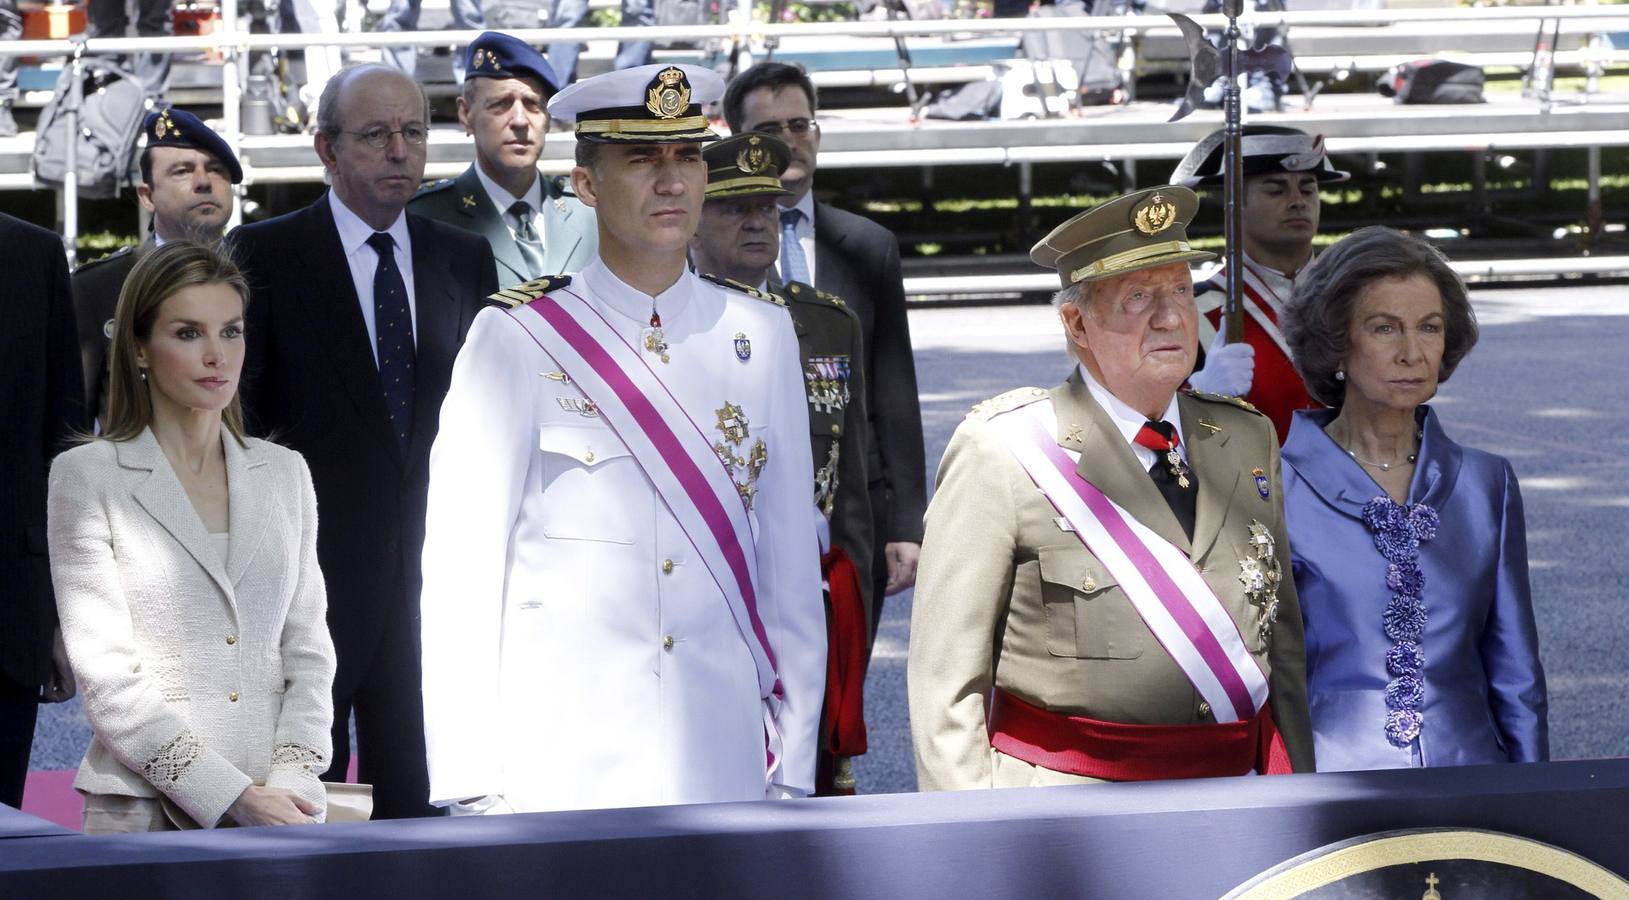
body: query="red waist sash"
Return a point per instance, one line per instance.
(1116, 752)
(842, 726)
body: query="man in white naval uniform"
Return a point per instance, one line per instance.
(583, 645)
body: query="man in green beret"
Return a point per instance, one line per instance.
(739, 240)
(1117, 546)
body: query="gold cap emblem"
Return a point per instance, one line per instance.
(163, 126)
(669, 94)
(1154, 216)
(483, 57)
(753, 158)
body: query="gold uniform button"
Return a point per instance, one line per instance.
(1088, 585)
(231, 639)
(589, 457)
(667, 567)
(232, 696)
(667, 642)
(836, 429)
(1204, 708)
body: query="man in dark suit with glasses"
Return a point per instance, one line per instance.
(358, 309)
(854, 258)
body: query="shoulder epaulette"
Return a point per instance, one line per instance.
(800, 291)
(527, 291)
(1009, 401)
(1240, 402)
(434, 186)
(747, 289)
(558, 186)
(122, 251)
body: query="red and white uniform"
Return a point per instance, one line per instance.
(1276, 389)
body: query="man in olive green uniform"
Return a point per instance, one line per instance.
(187, 173)
(535, 225)
(1110, 553)
(738, 240)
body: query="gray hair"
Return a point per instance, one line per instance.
(328, 122)
(1317, 322)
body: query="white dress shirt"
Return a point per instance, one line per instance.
(502, 199)
(1130, 421)
(353, 239)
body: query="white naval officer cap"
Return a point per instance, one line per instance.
(658, 103)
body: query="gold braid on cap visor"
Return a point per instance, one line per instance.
(1109, 264)
(636, 128)
(768, 182)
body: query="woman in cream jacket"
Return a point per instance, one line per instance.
(184, 560)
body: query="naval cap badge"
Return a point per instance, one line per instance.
(669, 93)
(1154, 215)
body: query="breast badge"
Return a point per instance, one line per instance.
(743, 470)
(743, 347)
(1261, 482)
(1260, 574)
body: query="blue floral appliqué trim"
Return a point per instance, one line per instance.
(1398, 532)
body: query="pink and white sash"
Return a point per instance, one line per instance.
(1181, 610)
(675, 456)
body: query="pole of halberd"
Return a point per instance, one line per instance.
(1233, 180)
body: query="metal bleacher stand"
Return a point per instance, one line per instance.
(1333, 40)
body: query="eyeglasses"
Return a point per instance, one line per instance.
(379, 136)
(798, 127)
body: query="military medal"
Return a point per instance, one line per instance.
(655, 340)
(1178, 470)
(1260, 574)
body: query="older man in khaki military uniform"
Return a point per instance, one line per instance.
(738, 241)
(1103, 590)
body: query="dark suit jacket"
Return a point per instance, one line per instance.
(858, 260)
(96, 287)
(312, 384)
(40, 397)
(570, 234)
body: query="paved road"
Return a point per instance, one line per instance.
(1545, 387)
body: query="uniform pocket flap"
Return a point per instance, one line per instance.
(1074, 569)
(590, 445)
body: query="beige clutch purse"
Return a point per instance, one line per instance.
(346, 803)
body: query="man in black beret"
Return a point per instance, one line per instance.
(187, 173)
(535, 224)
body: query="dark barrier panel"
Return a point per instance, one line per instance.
(1173, 840)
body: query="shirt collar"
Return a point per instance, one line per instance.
(502, 199)
(603, 285)
(354, 233)
(1128, 420)
(805, 205)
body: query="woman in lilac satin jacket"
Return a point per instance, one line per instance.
(1409, 551)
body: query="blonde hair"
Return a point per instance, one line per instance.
(156, 277)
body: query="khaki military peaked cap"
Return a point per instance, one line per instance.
(1139, 230)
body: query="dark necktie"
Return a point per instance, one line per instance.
(531, 246)
(393, 330)
(1176, 482)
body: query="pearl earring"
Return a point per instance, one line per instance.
(143, 374)
(1340, 375)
